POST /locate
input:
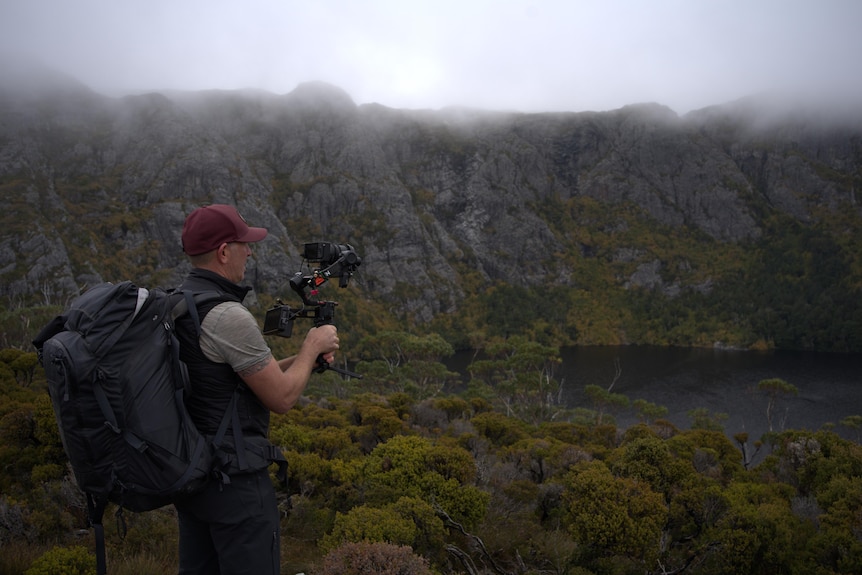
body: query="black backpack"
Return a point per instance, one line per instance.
(117, 386)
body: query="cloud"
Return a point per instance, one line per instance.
(504, 54)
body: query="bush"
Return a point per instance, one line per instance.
(369, 524)
(67, 560)
(374, 559)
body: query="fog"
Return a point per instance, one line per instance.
(552, 55)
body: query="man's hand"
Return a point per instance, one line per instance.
(323, 340)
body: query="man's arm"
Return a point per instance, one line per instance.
(286, 362)
(279, 384)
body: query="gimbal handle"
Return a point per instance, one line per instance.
(323, 365)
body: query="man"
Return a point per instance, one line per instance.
(232, 526)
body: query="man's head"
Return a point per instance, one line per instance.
(215, 237)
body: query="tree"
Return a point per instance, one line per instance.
(402, 362)
(701, 418)
(23, 364)
(430, 530)
(614, 516)
(378, 421)
(854, 422)
(649, 412)
(520, 375)
(710, 452)
(775, 389)
(604, 400)
(499, 429)
(840, 523)
(742, 439)
(532, 458)
(758, 533)
(649, 459)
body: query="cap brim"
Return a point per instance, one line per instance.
(253, 235)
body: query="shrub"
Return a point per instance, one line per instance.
(374, 559)
(369, 524)
(67, 560)
(14, 522)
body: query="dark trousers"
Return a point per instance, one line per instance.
(231, 529)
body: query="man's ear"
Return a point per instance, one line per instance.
(223, 252)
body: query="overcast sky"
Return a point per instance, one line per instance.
(540, 55)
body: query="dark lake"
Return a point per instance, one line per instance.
(721, 381)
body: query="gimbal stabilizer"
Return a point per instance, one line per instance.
(336, 261)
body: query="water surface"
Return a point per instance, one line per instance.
(721, 381)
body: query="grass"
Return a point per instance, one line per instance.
(158, 558)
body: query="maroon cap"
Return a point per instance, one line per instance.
(209, 227)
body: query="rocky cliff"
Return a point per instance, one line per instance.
(440, 204)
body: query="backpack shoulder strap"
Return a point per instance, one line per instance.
(188, 304)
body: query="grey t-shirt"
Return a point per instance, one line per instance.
(230, 334)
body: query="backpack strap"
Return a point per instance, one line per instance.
(95, 512)
(274, 455)
(181, 377)
(190, 301)
(115, 336)
(231, 414)
(242, 449)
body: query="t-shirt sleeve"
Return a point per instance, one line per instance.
(230, 334)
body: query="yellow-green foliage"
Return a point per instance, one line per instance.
(66, 560)
(370, 525)
(619, 514)
(451, 476)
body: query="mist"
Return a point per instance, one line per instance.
(530, 56)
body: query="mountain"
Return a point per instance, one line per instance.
(734, 225)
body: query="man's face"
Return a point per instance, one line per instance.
(238, 256)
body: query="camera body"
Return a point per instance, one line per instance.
(336, 260)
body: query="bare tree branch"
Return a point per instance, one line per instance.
(478, 541)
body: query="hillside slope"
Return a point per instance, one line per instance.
(629, 226)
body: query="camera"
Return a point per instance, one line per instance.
(334, 261)
(326, 252)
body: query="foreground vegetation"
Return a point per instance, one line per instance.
(397, 475)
